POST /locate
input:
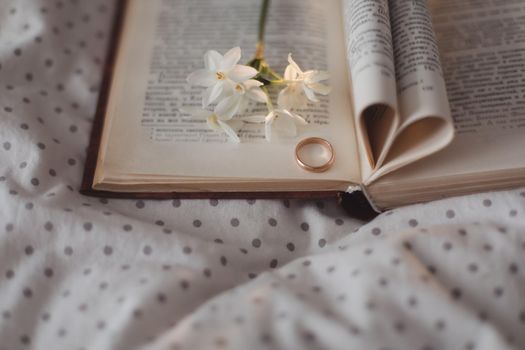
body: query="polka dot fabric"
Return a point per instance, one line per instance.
(83, 273)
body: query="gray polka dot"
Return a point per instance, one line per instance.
(108, 250)
(187, 250)
(9, 274)
(140, 204)
(451, 214)
(376, 231)
(127, 227)
(27, 292)
(88, 226)
(339, 222)
(290, 246)
(25, 339)
(473, 268)
(197, 223)
(322, 242)
(256, 243)
(161, 298)
(413, 223)
(29, 206)
(176, 203)
(235, 222)
(274, 263)
(7, 146)
(305, 227)
(48, 272)
(147, 250)
(29, 250)
(498, 292)
(487, 203)
(224, 261)
(214, 202)
(456, 293)
(184, 284)
(513, 268)
(48, 226)
(272, 222)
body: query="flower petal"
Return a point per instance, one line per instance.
(212, 60)
(256, 119)
(252, 83)
(287, 98)
(315, 76)
(294, 64)
(257, 95)
(202, 77)
(240, 74)
(230, 59)
(291, 73)
(285, 126)
(228, 107)
(298, 119)
(268, 132)
(196, 112)
(213, 123)
(310, 94)
(211, 94)
(320, 88)
(229, 131)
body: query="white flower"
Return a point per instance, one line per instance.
(278, 121)
(220, 70)
(217, 123)
(302, 86)
(241, 93)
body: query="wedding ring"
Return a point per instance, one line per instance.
(315, 141)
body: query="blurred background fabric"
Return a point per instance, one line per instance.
(84, 273)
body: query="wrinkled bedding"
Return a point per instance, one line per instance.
(85, 273)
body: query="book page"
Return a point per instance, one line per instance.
(370, 55)
(399, 92)
(148, 135)
(482, 46)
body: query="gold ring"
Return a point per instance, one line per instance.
(315, 141)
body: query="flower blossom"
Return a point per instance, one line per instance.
(241, 94)
(220, 73)
(217, 122)
(279, 121)
(301, 86)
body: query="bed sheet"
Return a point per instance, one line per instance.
(84, 273)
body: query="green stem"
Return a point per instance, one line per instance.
(262, 20)
(262, 29)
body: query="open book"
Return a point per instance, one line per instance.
(427, 101)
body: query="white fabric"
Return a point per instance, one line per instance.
(82, 273)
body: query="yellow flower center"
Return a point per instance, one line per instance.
(220, 76)
(239, 88)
